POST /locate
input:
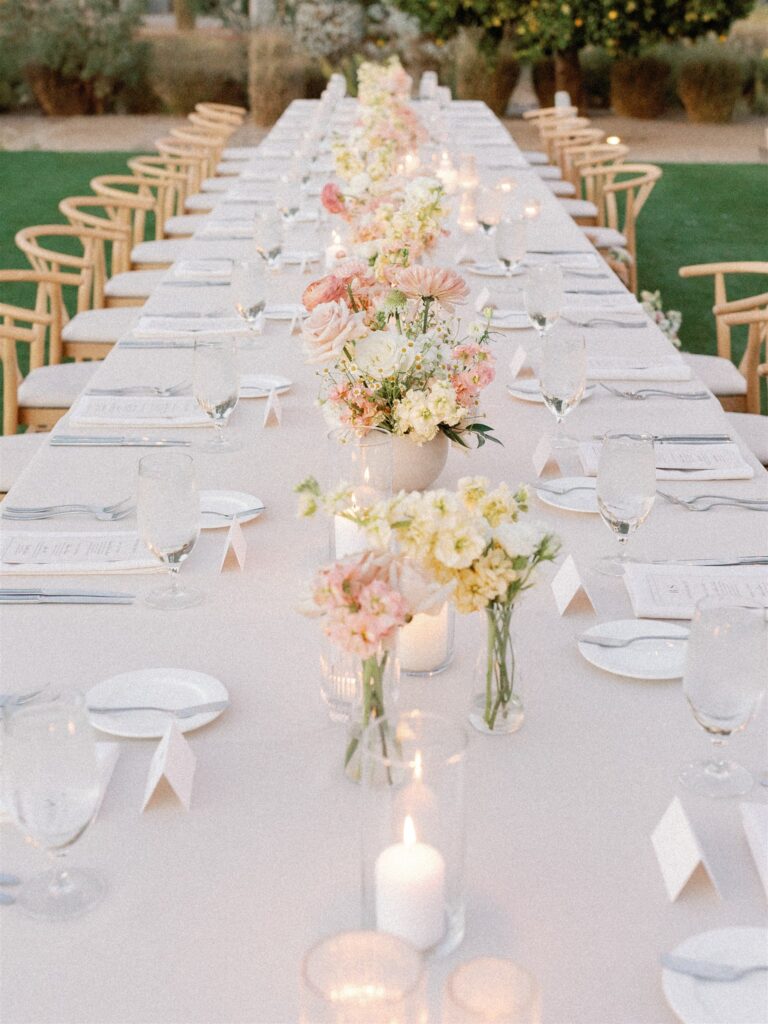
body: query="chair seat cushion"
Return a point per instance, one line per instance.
(229, 167)
(215, 185)
(579, 207)
(720, 375)
(16, 452)
(561, 188)
(134, 284)
(753, 430)
(240, 152)
(186, 224)
(201, 202)
(605, 238)
(549, 172)
(166, 250)
(101, 324)
(535, 156)
(55, 387)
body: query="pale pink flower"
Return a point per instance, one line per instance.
(438, 283)
(328, 329)
(332, 198)
(326, 289)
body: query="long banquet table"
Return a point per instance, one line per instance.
(209, 911)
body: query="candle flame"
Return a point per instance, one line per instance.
(418, 770)
(409, 831)
(336, 238)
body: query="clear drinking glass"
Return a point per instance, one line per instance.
(361, 977)
(489, 207)
(168, 511)
(490, 990)
(511, 242)
(724, 681)
(288, 196)
(562, 379)
(544, 296)
(53, 788)
(626, 490)
(268, 236)
(248, 289)
(216, 386)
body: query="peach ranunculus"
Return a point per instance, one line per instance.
(326, 289)
(328, 329)
(332, 198)
(437, 283)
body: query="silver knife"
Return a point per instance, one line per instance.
(706, 969)
(64, 599)
(136, 343)
(745, 560)
(44, 591)
(676, 438)
(64, 440)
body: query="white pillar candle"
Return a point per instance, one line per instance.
(348, 538)
(335, 252)
(410, 891)
(424, 641)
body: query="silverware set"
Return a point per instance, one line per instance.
(13, 595)
(142, 390)
(706, 502)
(115, 441)
(104, 513)
(641, 394)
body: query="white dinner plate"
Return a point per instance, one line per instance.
(259, 385)
(288, 312)
(527, 390)
(493, 270)
(721, 1002)
(161, 687)
(648, 659)
(229, 503)
(583, 499)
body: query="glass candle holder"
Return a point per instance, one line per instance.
(468, 178)
(362, 462)
(362, 976)
(413, 831)
(425, 644)
(341, 683)
(490, 990)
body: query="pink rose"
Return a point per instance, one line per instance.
(327, 330)
(326, 289)
(332, 198)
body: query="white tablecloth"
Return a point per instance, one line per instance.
(209, 912)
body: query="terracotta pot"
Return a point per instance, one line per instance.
(416, 466)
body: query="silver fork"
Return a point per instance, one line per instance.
(234, 515)
(550, 489)
(189, 712)
(596, 320)
(642, 394)
(607, 641)
(706, 502)
(102, 517)
(73, 506)
(141, 390)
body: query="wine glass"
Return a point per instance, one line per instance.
(544, 296)
(489, 209)
(216, 386)
(53, 790)
(562, 379)
(168, 511)
(248, 288)
(724, 680)
(626, 490)
(288, 196)
(511, 243)
(268, 235)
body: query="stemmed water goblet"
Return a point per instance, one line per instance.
(724, 681)
(288, 195)
(52, 790)
(511, 243)
(216, 387)
(268, 235)
(562, 379)
(543, 302)
(626, 490)
(248, 289)
(489, 209)
(168, 512)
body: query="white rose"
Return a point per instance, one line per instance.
(327, 330)
(384, 354)
(518, 539)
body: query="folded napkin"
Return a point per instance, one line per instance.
(581, 305)
(625, 368)
(249, 193)
(568, 261)
(233, 228)
(754, 817)
(203, 270)
(152, 411)
(27, 553)
(683, 461)
(264, 177)
(175, 326)
(672, 591)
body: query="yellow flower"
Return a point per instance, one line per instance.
(565, 8)
(613, 15)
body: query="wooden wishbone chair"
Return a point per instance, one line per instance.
(211, 145)
(547, 113)
(212, 126)
(183, 181)
(551, 132)
(578, 155)
(197, 200)
(225, 110)
(752, 427)
(159, 191)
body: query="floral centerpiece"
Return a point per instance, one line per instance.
(473, 542)
(668, 322)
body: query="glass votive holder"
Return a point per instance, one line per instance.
(425, 644)
(413, 830)
(468, 177)
(363, 463)
(491, 990)
(341, 681)
(360, 977)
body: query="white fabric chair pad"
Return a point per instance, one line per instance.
(55, 387)
(535, 156)
(579, 207)
(229, 167)
(166, 250)
(203, 202)
(16, 452)
(561, 188)
(605, 238)
(186, 224)
(720, 375)
(101, 324)
(240, 152)
(753, 430)
(215, 185)
(549, 172)
(134, 284)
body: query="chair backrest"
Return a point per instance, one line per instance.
(159, 192)
(756, 319)
(183, 175)
(213, 126)
(635, 189)
(222, 110)
(551, 131)
(547, 113)
(719, 272)
(172, 149)
(123, 217)
(574, 156)
(574, 137)
(21, 325)
(212, 146)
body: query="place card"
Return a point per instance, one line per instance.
(569, 590)
(673, 591)
(174, 761)
(517, 361)
(106, 758)
(235, 548)
(543, 456)
(483, 299)
(273, 410)
(754, 817)
(678, 850)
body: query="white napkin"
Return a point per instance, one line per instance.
(133, 411)
(27, 553)
(683, 461)
(569, 261)
(754, 817)
(174, 326)
(672, 591)
(263, 177)
(249, 193)
(625, 368)
(203, 270)
(227, 229)
(582, 306)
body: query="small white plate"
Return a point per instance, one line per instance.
(285, 312)
(528, 390)
(652, 659)
(493, 270)
(229, 503)
(582, 500)
(259, 385)
(721, 1002)
(161, 687)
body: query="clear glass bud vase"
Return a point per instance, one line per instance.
(496, 709)
(377, 692)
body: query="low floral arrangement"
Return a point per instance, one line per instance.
(396, 362)
(669, 322)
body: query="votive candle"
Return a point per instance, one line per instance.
(410, 890)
